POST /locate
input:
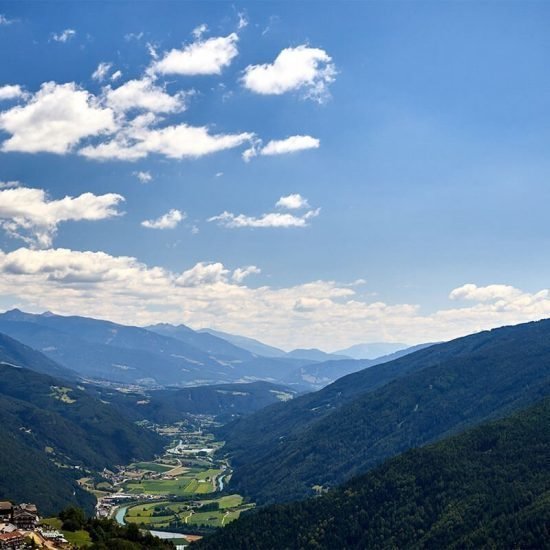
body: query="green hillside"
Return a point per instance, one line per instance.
(486, 488)
(51, 430)
(325, 438)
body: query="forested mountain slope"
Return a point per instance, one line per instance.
(205, 341)
(283, 451)
(486, 488)
(50, 429)
(171, 405)
(104, 350)
(319, 375)
(16, 353)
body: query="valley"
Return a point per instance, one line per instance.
(188, 463)
(182, 492)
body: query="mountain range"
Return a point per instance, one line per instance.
(162, 355)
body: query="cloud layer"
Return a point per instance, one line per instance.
(325, 314)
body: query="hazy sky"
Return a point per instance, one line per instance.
(307, 173)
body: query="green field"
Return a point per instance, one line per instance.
(194, 481)
(81, 539)
(153, 467)
(161, 514)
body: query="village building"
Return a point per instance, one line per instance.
(6, 509)
(12, 541)
(25, 516)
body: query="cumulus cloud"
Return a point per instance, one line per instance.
(102, 71)
(292, 202)
(11, 91)
(176, 142)
(54, 120)
(203, 274)
(309, 70)
(143, 176)
(64, 36)
(484, 293)
(30, 215)
(271, 219)
(170, 220)
(202, 57)
(143, 94)
(241, 273)
(316, 313)
(116, 75)
(291, 144)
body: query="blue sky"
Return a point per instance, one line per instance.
(418, 184)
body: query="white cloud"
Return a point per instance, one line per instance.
(292, 202)
(271, 219)
(116, 75)
(102, 71)
(485, 293)
(170, 220)
(241, 273)
(302, 68)
(199, 31)
(30, 215)
(291, 144)
(313, 314)
(143, 176)
(11, 91)
(202, 57)
(54, 120)
(176, 142)
(203, 274)
(143, 94)
(64, 36)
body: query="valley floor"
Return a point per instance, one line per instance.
(181, 494)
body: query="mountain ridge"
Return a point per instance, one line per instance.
(326, 437)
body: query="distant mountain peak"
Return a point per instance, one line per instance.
(16, 314)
